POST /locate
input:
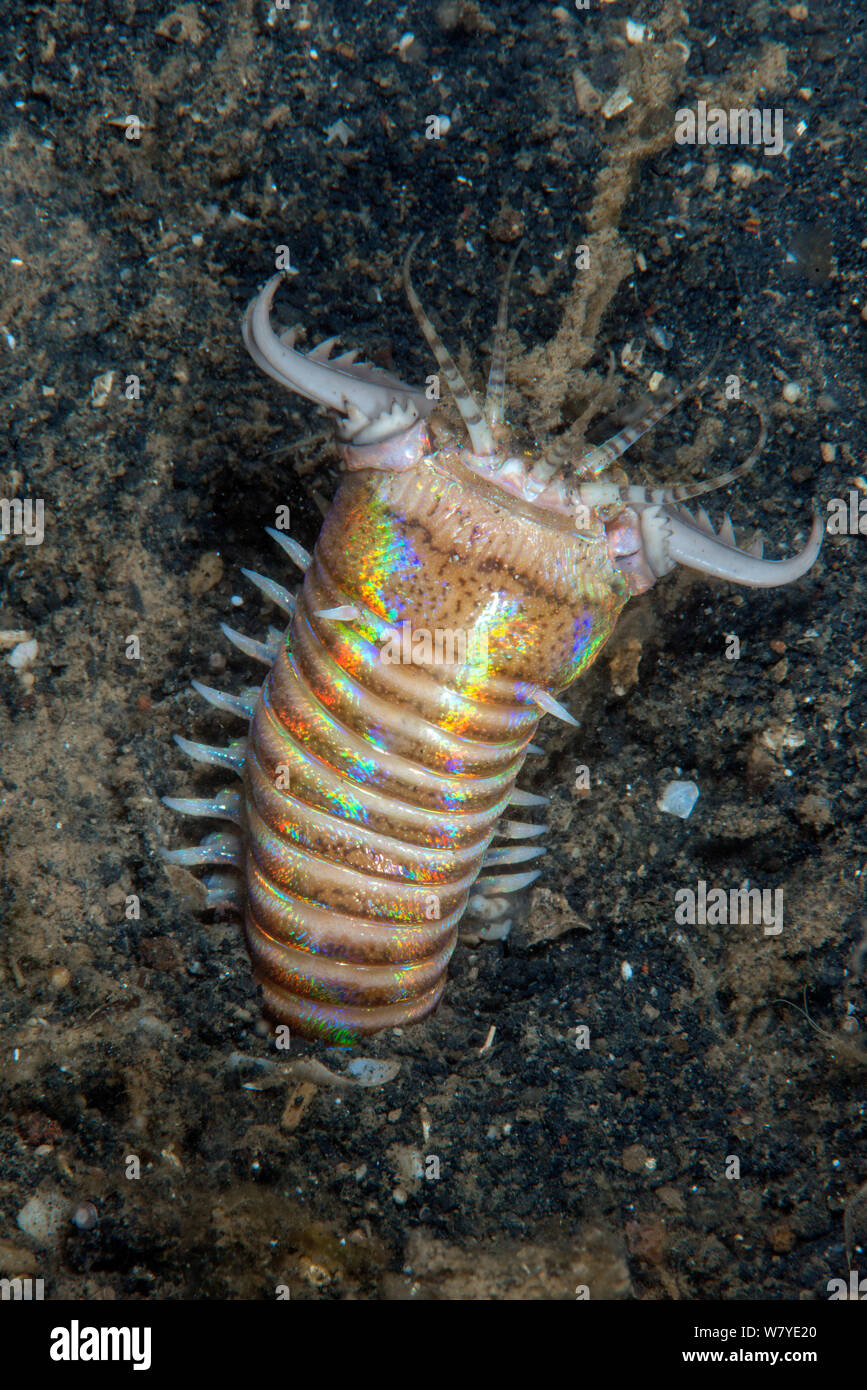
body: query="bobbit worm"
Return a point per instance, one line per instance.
(460, 583)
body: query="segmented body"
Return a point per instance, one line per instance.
(398, 772)
(375, 776)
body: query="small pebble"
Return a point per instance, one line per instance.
(85, 1216)
(207, 572)
(742, 174)
(619, 101)
(671, 1198)
(661, 337)
(23, 655)
(792, 392)
(828, 452)
(586, 95)
(372, 1071)
(101, 388)
(636, 32)
(43, 1217)
(678, 799)
(496, 931)
(815, 810)
(634, 1158)
(710, 177)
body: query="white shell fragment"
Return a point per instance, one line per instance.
(372, 1071)
(495, 931)
(586, 95)
(23, 655)
(101, 388)
(678, 799)
(637, 32)
(43, 1217)
(338, 130)
(619, 101)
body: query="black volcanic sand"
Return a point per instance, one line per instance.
(133, 1044)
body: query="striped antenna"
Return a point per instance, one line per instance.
(682, 492)
(495, 398)
(601, 457)
(480, 435)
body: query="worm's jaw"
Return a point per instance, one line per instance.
(646, 542)
(371, 406)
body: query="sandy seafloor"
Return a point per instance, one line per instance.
(125, 1038)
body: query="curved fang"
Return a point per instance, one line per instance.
(377, 405)
(669, 541)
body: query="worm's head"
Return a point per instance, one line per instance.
(382, 423)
